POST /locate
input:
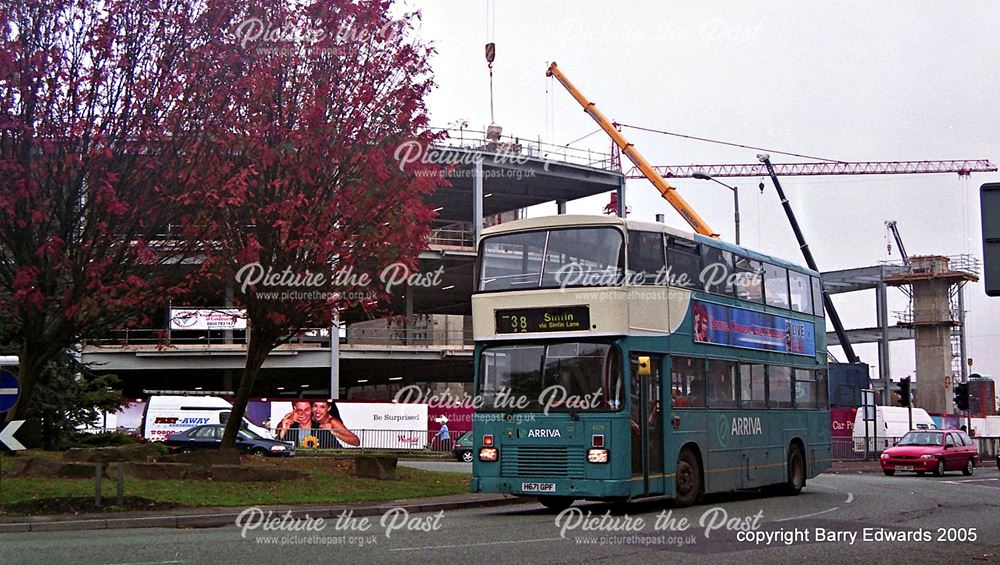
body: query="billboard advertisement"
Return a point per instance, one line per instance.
(718, 324)
(842, 421)
(319, 423)
(208, 319)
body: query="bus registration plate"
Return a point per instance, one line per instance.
(904, 468)
(538, 487)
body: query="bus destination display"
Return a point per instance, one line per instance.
(556, 319)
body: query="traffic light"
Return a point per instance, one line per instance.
(905, 396)
(962, 396)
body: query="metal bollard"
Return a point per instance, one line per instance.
(121, 483)
(97, 484)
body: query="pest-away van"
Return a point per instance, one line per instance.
(167, 415)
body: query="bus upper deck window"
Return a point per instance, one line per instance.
(684, 263)
(646, 257)
(801, 292)
(776, 285)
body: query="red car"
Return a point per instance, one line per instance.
(935, 451)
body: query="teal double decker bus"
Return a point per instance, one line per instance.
(618, 360)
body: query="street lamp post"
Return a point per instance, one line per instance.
(736, 199)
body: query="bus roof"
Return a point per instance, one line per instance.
(756, 254)
(576, 220)
(564, 220)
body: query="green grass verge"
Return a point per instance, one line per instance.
(327, 480)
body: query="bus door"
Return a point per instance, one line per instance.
(646, 422)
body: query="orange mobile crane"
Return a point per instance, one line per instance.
(668, 192)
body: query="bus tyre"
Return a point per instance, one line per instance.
(688, 479)
(889, 472)
(796, 471)
(556, 503)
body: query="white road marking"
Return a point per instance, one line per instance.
(147, 563)
(473, 544)
(827, 511)
(973, 485)
(850, 495)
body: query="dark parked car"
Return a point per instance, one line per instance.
(210, 437)
(934, 451)
(462, 450)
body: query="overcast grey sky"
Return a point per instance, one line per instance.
(857, 81)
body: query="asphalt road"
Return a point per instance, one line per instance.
(952, 519)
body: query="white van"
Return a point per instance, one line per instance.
(891, 423)
(165, 415)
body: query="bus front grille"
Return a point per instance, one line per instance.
(541, 461)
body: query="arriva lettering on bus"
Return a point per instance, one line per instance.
(544, 433)
(747, 426)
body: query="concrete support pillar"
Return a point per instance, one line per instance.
(961, 334)
(884, 368)
(408, 310)
(621, 197)
(227, 335)
(477, 201)
(335, 358)
(932, 330)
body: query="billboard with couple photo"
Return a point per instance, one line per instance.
(320, 423)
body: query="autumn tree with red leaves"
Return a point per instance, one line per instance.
(296, 171)
(87, 155)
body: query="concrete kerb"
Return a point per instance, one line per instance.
(220, 519)
(854, 467)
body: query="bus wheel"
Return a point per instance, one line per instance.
(796, 471)
(688, 479)
(556, 503)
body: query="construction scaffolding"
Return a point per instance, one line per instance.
(935, 287)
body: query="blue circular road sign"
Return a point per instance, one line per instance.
(10, 390)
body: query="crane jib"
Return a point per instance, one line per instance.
(666, 190)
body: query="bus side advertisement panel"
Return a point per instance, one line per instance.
(718, 324)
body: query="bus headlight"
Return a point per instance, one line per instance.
(597, 455)
(489, 454)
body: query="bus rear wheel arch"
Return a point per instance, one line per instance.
(688, 484)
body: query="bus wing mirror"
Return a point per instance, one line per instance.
(645, 366)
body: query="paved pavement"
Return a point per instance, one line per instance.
(441, 466)
(206, 517)
(839, 518)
